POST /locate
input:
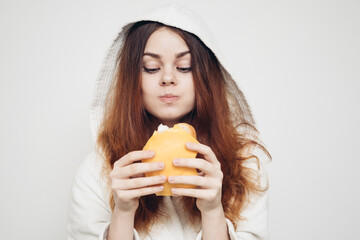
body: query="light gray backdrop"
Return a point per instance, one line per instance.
(296, 61)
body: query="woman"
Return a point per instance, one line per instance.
(163, 68)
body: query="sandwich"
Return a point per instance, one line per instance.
(168, 144)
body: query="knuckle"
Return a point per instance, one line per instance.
(120, 194)
(123, 196)
(142, 191)
(200, 181)
(132, 168)
(203, 165)
(112, 174)
(130, 155)
(122, 159)
(218, 185)
(116, 164)
(136, 182)
(221, 175)
(208, 150)
(212, 195)
(112, 185)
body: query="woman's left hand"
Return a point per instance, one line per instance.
(209, 180)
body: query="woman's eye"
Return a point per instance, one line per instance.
(151, 70)
(154, 70)
(184, 70)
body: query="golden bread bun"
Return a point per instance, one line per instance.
(170, 144)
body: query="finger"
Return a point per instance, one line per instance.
(138, 168)
(135, 183)
(202, 182)
(206, 151)
(127, 195)
(138, 175)
(133, 157)
(205, 194)
(201, 164)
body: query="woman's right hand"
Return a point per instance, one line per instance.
(128, 181)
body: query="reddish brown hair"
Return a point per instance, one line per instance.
(127, 125)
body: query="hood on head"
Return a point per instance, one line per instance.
(174, 15)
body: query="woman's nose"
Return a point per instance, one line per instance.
(168, 78)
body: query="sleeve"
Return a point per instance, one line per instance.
(89, 211)
(255, 227)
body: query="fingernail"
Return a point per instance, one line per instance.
(171, 179)
(163, 178)
(161, 165)
(150, 153)
(176, 161)
(189, 144)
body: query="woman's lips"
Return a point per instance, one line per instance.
(169, 98)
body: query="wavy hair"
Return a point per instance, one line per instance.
(231, 138)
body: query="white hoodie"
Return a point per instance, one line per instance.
(90, 212)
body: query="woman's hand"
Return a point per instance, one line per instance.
(128, 182)
(209, 180)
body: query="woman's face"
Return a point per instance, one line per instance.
(167, 83)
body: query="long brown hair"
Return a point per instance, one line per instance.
(126, 125)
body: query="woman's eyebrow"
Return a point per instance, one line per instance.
(154, 55)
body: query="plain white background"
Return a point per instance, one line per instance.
(298, 63)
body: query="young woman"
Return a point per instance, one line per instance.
(164, 68)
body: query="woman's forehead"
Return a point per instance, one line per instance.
(159, 56)
(165, 40)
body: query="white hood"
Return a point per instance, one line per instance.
(177, 16)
